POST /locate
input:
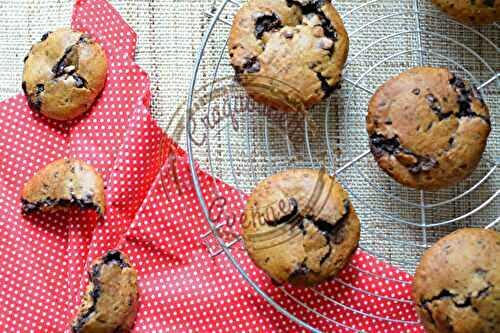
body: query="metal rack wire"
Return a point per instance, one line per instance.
(355, 159)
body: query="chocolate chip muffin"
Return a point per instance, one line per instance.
(300, 227)
(428, 128)
(288, 54)
(63, 74)
(64, 183)
(471, 11)
(457, 284)
(111, 299)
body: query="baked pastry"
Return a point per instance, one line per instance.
(428, 128)
(63, 74)
(288, 54)
(63, 183)
(457, 283)
(471, 11)
(300, 227)
(111, 300)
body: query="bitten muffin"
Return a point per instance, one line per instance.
(457, 283)
(428, 128)
(300, 227)
(111, 300)
(63, 183)
(471, 11)
(288, 54)
(63, 74)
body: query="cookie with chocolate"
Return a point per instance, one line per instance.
(288, 54)
(111, 299)
(471, 11)
(457, 283)
(428, 128)
(64, 183)
(300, 227)
(63, 74)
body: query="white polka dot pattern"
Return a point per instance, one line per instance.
(154, 216)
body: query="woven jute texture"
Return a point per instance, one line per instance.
(245, 142)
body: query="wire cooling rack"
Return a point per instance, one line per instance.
(241, 148)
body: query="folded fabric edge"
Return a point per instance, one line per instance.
(85, 5)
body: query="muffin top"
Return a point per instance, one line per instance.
(471, 11)
(63, 74)
(457, 283)
(428, 128)
(288, 53)
(63, 183)
(300, 227)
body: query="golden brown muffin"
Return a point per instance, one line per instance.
(111, 299)
(288, 54)
(63, 74)
(300, 227)
(471, 11)
(63, 183)
(428, 128)
(457, 284)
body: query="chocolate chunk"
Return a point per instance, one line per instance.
(327, 254)
(287, 218)
(380, 145)
(314, 6)
(325, 86)
(423, 164)
(465, 96)
(466, 111)
(444, 294)
(484, 292)
(34, 103)
(331, 229)
(333, 232)
(436, 107)
(80, 82)
(39, 89)
(252, 65)
(96, 292)
(328, 28)
(84, 204)
(301, 270)
(266, 23)
(94, 295)
(310, 7)
(457, 82)
(84, 39)
(31, 207)
(28, 207)
(58, 68)
(323, 226)
(45, 35)
(115, 257)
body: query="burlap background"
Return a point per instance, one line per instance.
(169, 33)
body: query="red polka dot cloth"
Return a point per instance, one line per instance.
(154, 216)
